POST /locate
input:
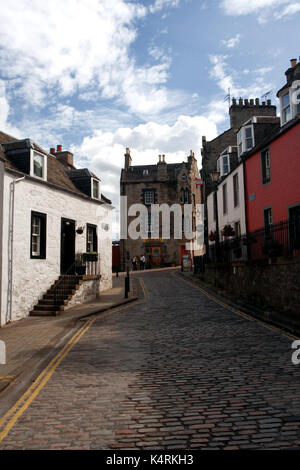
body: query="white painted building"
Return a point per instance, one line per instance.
(231, 205)
(49, 213)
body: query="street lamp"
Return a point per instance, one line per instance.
(215, 175)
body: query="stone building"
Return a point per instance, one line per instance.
(163, 183)
(49, 213)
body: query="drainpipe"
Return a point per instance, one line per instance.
(12, 187)
(1, 229)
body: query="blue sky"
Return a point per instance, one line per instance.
(99, 75)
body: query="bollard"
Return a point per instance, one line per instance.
(126, 287)
(128, 278)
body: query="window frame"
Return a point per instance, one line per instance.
(42, 235)
(145, 193)
(94, 180)
(284, 108)
(266, 179)
(225, 198)
(242, 139)
(94, 228)
(44, 167)
(236, 190)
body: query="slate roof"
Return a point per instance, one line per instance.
(56, 173)
(136, 173)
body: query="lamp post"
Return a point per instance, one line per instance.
(215, 175)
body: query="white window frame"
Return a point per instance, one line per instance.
(241, 139)
(283, 108)
(220, 164)
(36, 222)
(44, 169)
(92, 188)
(293, 107)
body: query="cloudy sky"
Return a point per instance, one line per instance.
(100, 75)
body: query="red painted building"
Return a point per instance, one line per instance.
(272, 178)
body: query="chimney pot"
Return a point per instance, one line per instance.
(293, 63)
(263, 103)
(59, 148)
(163, 158)
(251, 102)
(241, 102)
(269, 102)
(256, 101)
(52, 150)
(234, 101)
(127, 151)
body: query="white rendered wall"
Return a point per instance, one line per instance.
(234, 214)
(32, 277)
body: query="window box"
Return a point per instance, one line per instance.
(227, 231)
(92, 256)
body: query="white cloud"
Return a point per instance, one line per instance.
(226, 80)
(104, 151)
(161, 4)
(231, 43)
(244, 7)
(265, 9)
(67, 46)
(288, 10)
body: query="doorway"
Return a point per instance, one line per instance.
(67, 252)
(156, 255)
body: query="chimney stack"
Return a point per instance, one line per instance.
(66, 158)
(293, 63)
(128, 159)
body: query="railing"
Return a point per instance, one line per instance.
(281, 239)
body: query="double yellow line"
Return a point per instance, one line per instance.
(145, 290)
(11, 417)
(238, 312)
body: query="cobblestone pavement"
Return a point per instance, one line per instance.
(175, 372)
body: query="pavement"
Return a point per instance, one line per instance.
(28, 341)
(178, 369)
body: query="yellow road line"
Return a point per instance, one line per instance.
(145, 290)
(7, 377)
(24, 402)
(238, 312)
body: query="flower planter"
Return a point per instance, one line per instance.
(90, 257)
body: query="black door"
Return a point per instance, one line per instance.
(67, 256)
(294, 222)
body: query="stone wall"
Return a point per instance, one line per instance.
(88, 291)
(271, 285)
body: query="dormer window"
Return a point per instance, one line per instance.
(286, 108)
(95, 189)
(38, 165)
(223, 165)
(245, 139)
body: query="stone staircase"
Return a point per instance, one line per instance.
(59, 294)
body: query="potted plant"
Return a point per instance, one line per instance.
(227, 231)
(80, 266)
(90, 256)
(212, 236)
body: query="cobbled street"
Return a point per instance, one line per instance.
(175, 371)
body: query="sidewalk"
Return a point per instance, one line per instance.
(29, 340)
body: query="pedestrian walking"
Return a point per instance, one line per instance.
(134, 263)
(142, 262)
